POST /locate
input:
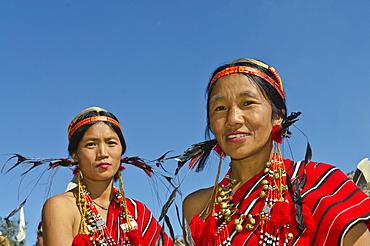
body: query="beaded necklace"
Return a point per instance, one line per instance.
(97, 228)
(272, 220)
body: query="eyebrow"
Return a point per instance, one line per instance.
(108, 138)
(246, 93)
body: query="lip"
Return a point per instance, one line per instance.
(104, 165)
(237, 136)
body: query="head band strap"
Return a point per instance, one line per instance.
(72, 128)
(278, 85)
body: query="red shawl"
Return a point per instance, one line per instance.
(148, 230)
(331, 204)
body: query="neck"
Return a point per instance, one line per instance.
(244, 169)
(99, 190)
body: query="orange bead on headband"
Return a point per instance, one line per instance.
(277, 84)
(72, 128)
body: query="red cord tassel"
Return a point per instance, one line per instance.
(196, 228)
(135, 237)
(277, 134)
(81, 240)
(121, 168)
(209, 231)
(75, 171)
(280, 214)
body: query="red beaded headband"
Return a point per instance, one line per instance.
(278, 85)
(73, 127)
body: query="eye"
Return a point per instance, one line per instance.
(112, 143)
(90, 144)
(219, 108)
(246, 103)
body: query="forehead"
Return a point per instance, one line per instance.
(235, 85)
(100, 129)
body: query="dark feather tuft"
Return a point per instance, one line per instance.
(35, 162)
(287, 122)
(167, 205)
(168, 223)
(136, 161)
(199, 151)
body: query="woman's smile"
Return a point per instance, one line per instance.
(241, 117)
(237, 136)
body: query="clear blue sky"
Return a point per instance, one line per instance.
(148, 62)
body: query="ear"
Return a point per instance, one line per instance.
(75, 157)
(277, 121)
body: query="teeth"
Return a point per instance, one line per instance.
(236, 136)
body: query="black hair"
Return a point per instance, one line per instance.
(79, 133)
(277, 102)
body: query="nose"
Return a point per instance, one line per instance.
(102, 151)
(234, 117)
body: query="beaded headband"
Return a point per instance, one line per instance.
(277, 84)
(72, 128)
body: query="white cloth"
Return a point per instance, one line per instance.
(21, 235)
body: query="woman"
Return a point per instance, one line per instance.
(264, 199)
(97, 213)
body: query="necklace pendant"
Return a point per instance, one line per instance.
(238, 228)
(249, 227)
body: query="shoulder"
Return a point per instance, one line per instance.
(61, 200)
(195, 202)
(312, 169)
(61, 206)
(334, 201)
(60, 219)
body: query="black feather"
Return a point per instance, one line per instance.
(160, 238)
(169, 179)
(202, 149)
(159, 161)
(178, 215)
(287, 122)
(14, 212)
(20, 160)
(188, 239)
(36, 162)
(169, 202)
(168, 223)
(308, 155)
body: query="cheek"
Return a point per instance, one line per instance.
(215, 124)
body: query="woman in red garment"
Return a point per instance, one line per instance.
(97, 213)
(264, 199)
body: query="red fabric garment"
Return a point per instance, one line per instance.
(148, 229)
(331, 205)
(147, 224)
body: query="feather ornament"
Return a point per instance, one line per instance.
(187, 231)
(138, 162)
(12, 213)
(197, 153)
(287, 122)
(168, 203)
(35, 162)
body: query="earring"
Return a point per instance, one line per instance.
(277, 134)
